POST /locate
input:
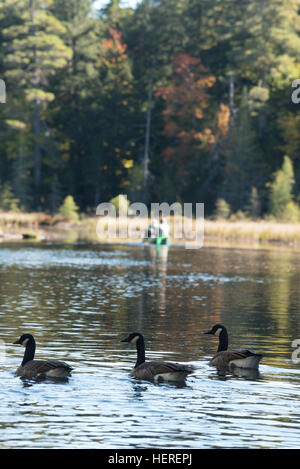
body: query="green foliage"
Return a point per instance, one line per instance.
(238, 216)
(120, 203)
(77, 100)
(281, 189)
(34, 51)
(258, 96)
(222, 209)
(7, 199)
(133, 184)
(291, 212)
(244, 167)
(68, 210)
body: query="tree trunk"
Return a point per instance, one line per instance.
(37, 149)
(36, 116)
(146, 158)
(231, 108)
(262, 114)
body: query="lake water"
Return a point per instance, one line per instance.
(80, 300)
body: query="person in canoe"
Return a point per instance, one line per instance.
(157, 232)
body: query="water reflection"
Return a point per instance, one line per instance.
(158, 258)
(27, 382)
(80, 300)
(138, 388)
(245, 373)
(157, 254)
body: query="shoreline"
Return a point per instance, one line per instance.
(38, 227)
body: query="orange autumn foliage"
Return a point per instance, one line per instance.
(186, 105)
(223, 120)
(115, 42)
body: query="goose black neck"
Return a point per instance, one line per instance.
(29, 351)
(140, 348)
(223, 340)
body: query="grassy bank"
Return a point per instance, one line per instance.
(17, 226)
(254, 231)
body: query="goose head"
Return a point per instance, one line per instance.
(24, 339)
(133, 338)
(216, 330)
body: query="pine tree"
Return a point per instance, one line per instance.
(69, 210)
(264, 43)
(21, 179)
(243, 160)
(34, 50)
(281, 188)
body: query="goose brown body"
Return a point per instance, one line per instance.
(31, 368)
(50, 368)
(240, 358)
(155, 370)
(161, 370)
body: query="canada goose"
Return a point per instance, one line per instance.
(224, 358)
(31, 368)
(154, 371)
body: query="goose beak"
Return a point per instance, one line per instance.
(207, 332)
(16, 342)
(125, 340)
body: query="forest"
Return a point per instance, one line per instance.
(174, 101)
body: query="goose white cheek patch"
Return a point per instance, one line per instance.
(24, 343)
(134, 340)
(218, 331)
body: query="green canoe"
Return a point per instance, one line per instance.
(158, 241)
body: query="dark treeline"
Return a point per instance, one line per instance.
(177, 100)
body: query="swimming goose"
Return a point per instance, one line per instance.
(241, 358)
(31, 368)
(154, 371)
